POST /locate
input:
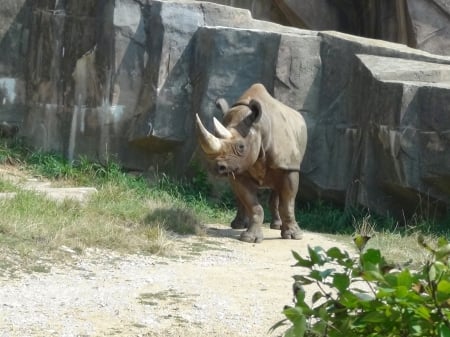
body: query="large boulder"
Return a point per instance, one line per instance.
(14, 34)
(123, 79)
(422, 24)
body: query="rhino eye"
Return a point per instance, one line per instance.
(240, 147)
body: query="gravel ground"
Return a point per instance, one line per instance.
(212, 286)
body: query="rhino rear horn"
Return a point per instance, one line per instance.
(209, 143)
(222, 104)
(221, 130)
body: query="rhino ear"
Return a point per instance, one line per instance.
(255, 116)
(222, 104)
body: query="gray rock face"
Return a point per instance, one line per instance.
(14, 33)
(123, 79)
(422, 24)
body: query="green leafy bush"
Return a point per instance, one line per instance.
(366, 296)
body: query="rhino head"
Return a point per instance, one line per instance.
(235, 147)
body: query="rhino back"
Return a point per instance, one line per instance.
(287, 141)
(283, 129)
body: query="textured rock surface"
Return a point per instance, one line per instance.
(124, 78)
(14, 32)
(422, 24)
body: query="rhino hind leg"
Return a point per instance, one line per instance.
(288, 192)
(274, 202)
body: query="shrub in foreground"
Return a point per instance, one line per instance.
(365, 296)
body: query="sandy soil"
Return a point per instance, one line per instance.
(211, 286)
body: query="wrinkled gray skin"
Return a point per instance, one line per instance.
(260, 144)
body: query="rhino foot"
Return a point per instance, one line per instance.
(275, 225)
(293, 232)
(252, 237)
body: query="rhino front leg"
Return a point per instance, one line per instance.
(287, 193)
(240, 221)
(274, 202)
(246, 191)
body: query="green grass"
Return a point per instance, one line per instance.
(7, 186)
(398, 242)
(129, 213)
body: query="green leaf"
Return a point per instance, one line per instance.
(374, 317)
(323, 313)
(316, 296)
(443, 291)
(320, 328)
(314, 254)
(436, 270)
(372, 275)
(432, 273)
(423, 312)
(295, 315)
(336, 253)
(372, 256)
(301, 262)
(349, 299)
(299, 293)
(401, 292)
(442, 241)
(443, 252)
(341, 281)
(404, 278)
(385, 292)
(444, 331)
(316, 275)
(303, 279)
(391, 280)
(444, 287)
(360, 241)
(327, 272)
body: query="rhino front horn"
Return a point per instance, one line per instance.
(210, 144)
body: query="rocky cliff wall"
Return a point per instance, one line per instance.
(421, 24)
(123, 79)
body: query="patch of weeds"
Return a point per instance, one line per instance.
(139, 325)
(7, 186)
(154, 299)
(160, 296)
(40, 268)
(178, 220)
(177, 318)
(197, 248)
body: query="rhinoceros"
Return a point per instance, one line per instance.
(259, 144)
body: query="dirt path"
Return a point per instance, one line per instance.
(213, 286)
